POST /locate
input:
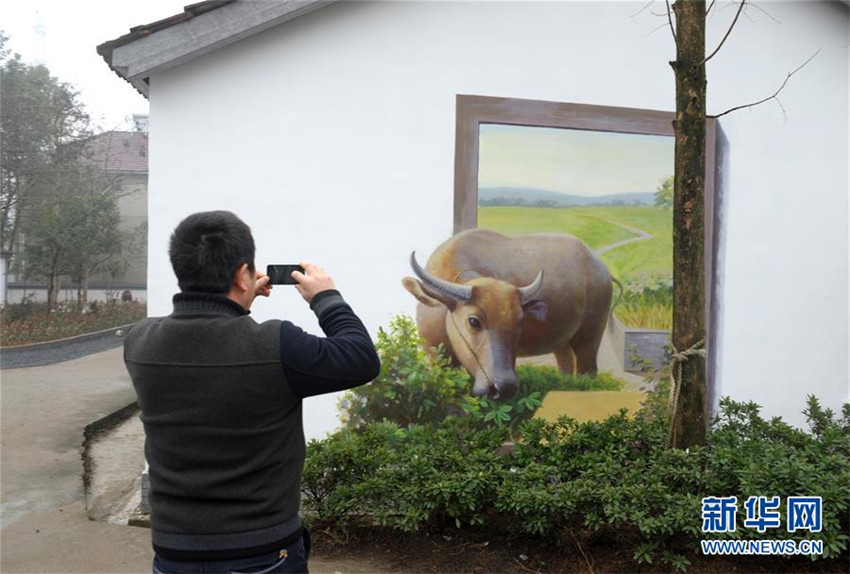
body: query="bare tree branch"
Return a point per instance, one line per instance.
(710, 6)
(656, 30)
(765, 12)
(745, 13)
(670, 21)
(784, 113)
(648, 4)
(776, 93)
(729, 31)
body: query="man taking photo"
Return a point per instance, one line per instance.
(220, 398)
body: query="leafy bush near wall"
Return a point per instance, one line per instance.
(416, 387)
(565, 475)
(413, 386)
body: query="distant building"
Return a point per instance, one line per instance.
(124, 154)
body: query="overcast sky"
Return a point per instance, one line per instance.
(572, 161)
(64, 34)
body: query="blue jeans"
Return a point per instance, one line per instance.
(289, 560)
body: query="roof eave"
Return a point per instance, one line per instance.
(201, 29)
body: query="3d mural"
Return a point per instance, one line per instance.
(570, 258)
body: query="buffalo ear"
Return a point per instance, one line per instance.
(416, 289)
(537, 309)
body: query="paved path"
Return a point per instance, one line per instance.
(44, 526)
(43, 522)
(37, 355)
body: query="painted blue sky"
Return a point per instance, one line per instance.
(572, 161)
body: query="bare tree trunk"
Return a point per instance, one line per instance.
(52, 290)
(17, 205)
(690, 418)
(82, 288)
(14, 235)
(53, 280)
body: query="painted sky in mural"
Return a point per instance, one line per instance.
(571, 161)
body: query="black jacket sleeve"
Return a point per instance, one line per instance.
(346, 358)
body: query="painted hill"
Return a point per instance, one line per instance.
(547, 198)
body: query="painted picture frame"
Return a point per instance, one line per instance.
(480, 117)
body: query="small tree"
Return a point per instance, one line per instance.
(689, 423)
(41, 119)
(690, 420)
(53, 202)
(664, 193)
(98, 241)
(44, 252)
(72, 229)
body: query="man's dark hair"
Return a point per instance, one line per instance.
(207, 248)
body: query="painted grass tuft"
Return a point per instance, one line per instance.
(649, 317)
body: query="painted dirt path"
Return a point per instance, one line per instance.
(44, 526)
(641, 235)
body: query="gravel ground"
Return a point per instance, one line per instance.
(12, 358)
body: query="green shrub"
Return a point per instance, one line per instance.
(336, 466)
(750, 456)
(416, 387)
(404, 478)
(18, 312)
(413, 386)
(614, 474)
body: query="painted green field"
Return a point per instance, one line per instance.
(640, 261)
(653, 220)
(514, 221)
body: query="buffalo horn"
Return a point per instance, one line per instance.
(529, 292)
(461, 293)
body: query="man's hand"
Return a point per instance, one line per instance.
(263, 287)
(314, 282)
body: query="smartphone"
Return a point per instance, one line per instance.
(282, 274)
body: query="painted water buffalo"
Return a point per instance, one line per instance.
(489, 299)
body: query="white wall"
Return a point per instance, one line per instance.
(333, 137)
(785, 322)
